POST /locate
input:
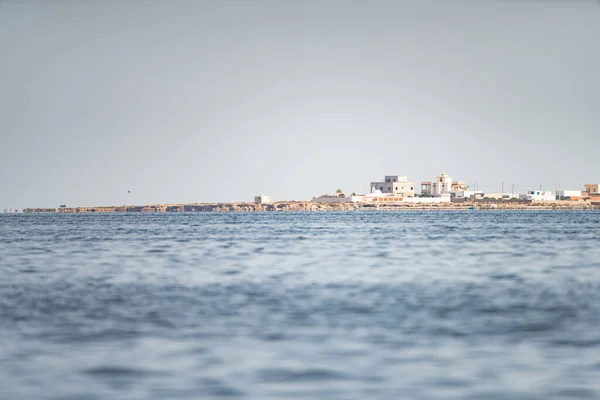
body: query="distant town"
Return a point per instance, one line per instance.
(398, 189)
(393, 192)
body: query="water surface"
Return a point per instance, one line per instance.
(336, 305)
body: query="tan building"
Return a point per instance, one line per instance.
(394, 184)
(442, 184)
(459, 186)
(592, 188)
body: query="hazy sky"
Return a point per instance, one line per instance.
(195, 101)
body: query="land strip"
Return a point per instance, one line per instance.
(313, 206)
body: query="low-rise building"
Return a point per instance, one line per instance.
(592, 188)
(443, 198)
(442, 184)
(459, 186)
(500, 196)
(389, 198)
(262, 199)
(468, 194)
(341, 198)
(569, 194)
(331, 198)
(538, 195)
(377, 196)
(395, 184)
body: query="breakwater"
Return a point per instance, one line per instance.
(313, 206)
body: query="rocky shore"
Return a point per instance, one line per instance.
(311, 206)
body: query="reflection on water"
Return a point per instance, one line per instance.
(350, 305)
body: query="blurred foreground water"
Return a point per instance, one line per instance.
(349, 305)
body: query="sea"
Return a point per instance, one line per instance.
(470, 304)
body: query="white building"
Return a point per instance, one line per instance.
(262, 199)
(394, 184)
(378, 197)
(538, 195)
(356, 198)
(442, 184)
(444, 198)
(467, 194)
(569, 193)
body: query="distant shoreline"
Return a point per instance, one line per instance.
(314, 206)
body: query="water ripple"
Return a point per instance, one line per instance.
(360, 304)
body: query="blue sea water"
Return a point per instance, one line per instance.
(336, 305)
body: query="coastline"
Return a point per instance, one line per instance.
(313, 206)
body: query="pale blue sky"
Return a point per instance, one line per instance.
(197, 101)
